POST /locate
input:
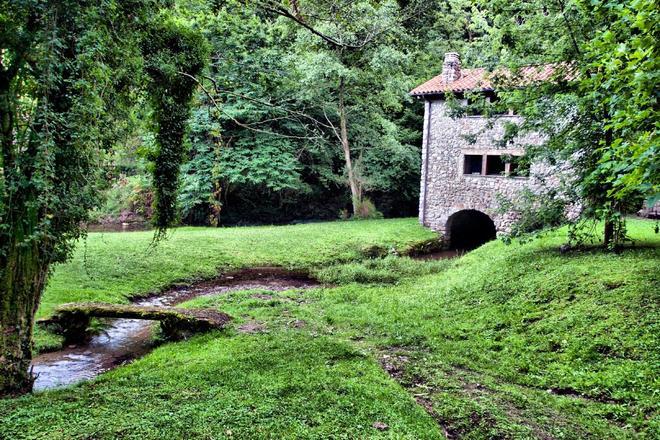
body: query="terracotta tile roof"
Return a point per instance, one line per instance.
(481, 80)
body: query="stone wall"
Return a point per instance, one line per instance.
(650, 211)
(444, 188)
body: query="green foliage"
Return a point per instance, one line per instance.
(129, 195)
(268, 163)
(537, 213)
(63, 84)
(69, 72)
(621, 70)
(276, 158)
(599, 111)
(505, 342)
(279, 158)
(174, 55)
(199, 193)
(366, 82)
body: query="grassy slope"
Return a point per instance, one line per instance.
(115, 266)
(490, 336)
(480, 342)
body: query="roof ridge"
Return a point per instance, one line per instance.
(477, 79)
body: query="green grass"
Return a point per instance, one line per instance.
(514, 341)
(519, 321)
(387, 270)
(286, 384)
(113, 267)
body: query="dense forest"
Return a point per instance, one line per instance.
(304, 108)
(264, 143)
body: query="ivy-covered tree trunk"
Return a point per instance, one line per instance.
(22, 282)
(54, 116)
(22, 267)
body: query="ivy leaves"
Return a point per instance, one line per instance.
(174, 55)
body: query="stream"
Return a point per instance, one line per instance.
(126, 339)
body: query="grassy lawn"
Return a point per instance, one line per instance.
(514, 341)
(113, 267)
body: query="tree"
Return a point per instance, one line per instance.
(262, 141)
(599, 111)
(351, 69)
(253, 146)
(68, 71)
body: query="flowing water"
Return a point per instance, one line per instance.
(126, 339)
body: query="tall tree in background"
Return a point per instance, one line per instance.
(352, 69)
(67, 72)
(600, 111)
(254, 146)
(268, 140)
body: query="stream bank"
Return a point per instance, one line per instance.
(124, 340)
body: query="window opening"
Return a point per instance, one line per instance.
(494, 165)
(472, 164)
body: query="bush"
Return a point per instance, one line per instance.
(129, 198)
(386, 270)
(367, 210)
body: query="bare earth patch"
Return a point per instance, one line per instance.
(298, 323)
(252, 327)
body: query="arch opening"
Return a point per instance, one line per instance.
(469, 229)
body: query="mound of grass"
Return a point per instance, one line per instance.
(388, 270)
(521, 340)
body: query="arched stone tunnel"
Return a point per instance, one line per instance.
(469, 229)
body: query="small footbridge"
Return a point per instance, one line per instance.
(72, 320)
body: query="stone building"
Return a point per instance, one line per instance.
(464, 167)
(652, 211)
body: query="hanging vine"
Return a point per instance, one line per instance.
(174, 55)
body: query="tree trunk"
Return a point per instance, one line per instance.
(608, 233)
(22, 267)
(356, 192)
(610, 240)
(22, 282)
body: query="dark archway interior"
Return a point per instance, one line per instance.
(469, 229)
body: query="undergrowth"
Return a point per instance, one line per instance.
(387, 270)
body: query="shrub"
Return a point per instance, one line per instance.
(386, 270)
(367, 210)
(129, 197)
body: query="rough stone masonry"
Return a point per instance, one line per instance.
(464, 167)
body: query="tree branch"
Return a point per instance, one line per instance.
(276, 8)
(237, 122)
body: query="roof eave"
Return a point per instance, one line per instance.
(444, 92)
